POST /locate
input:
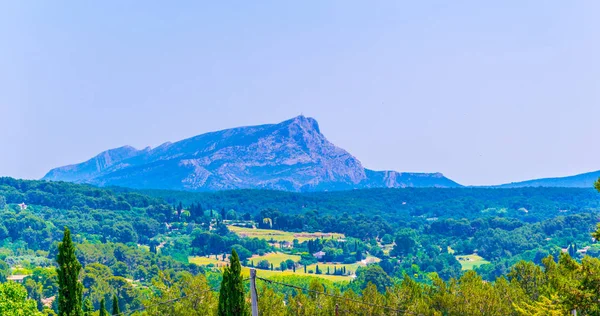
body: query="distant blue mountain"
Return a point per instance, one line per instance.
(292, 155)
(584, 180)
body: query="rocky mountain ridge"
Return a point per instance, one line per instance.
(584, 180)
(293, 155)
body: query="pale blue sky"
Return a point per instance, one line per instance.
(483, 92)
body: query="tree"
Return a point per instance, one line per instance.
(231, 296)
(199, 298)
(405, 242)
(373, 274)
(88, 308)
(596, 234)
(34, 291)
(119, 269)
(69, 288)
(13, 301)
(115, 309)
(103, 311)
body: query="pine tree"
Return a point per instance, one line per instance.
(70, 290)
(88, 308)
(231, 296)
(115, 310)
(103, 311)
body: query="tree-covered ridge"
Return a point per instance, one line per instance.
(501, 225)
(530, 204)
(137, 249)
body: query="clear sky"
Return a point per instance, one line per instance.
(485, 92)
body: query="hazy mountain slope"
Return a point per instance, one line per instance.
(584, 180)
(292, 155)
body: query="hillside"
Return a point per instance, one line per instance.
(293, 156)
(584, 180)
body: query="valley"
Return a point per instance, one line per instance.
(127, 240)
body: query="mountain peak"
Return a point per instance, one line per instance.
(292, 155)
(307, 123)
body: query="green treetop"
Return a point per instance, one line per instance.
(69, 288)
(115, 310)
(14, 301)
(596, 234)
(88, 308)
(103, 311)
(231, 296)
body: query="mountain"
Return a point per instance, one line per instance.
(293, 155)
(584, 180)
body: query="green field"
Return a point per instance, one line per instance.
(468, 262)
(279, 235)
(274, 257)
(299, 272)
(277, 257)
(203, 261)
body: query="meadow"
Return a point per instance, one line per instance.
(299, 272)
(277, 257)
(280, 235)
(469, 262)
(204, 261)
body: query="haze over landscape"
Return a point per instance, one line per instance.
(283, 158)
(484, 93)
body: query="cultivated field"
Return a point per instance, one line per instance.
(274, 257)
(299, 272)
(204, 261)
(469, 262)
(279, 235)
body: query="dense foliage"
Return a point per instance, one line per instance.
(70, 290)
(134, 246)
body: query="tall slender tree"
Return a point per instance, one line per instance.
(103, 311)
(596, 234)
(115, 310)
(88, 308)
(231, 296)
(70, 290)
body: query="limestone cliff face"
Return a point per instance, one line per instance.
(292, 155)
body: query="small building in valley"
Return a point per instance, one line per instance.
(319, 255)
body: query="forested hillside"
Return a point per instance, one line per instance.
(143, 247)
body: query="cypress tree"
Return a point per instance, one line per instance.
(232, 300)
(88, 308)
(103, 311)
(223, 293)
(70, 290)
(115, 310)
